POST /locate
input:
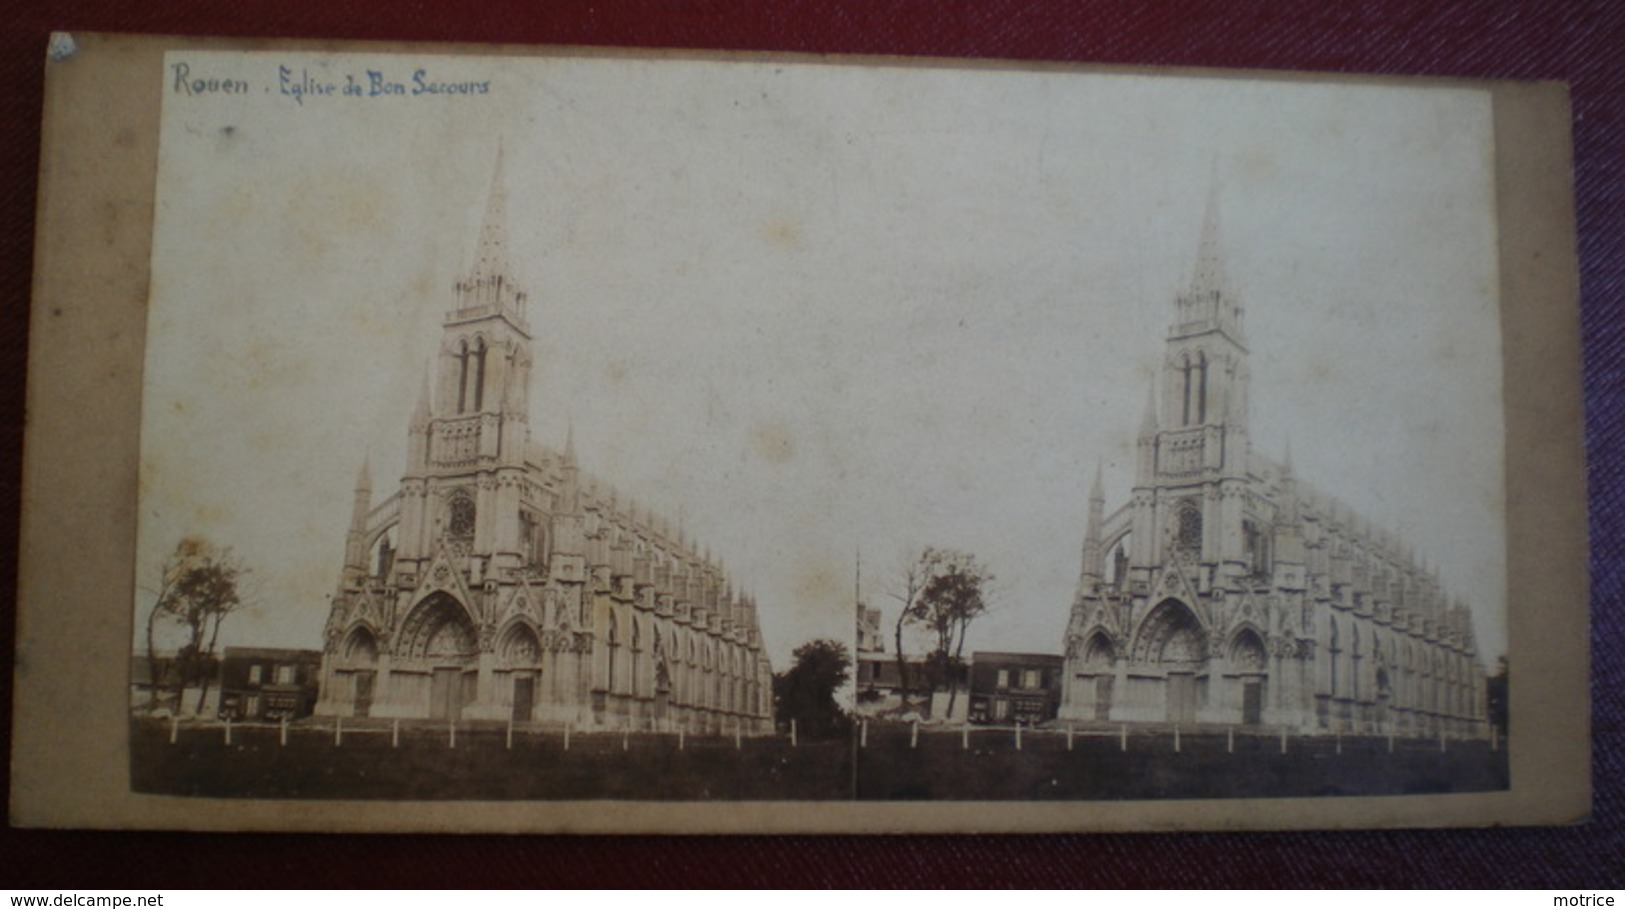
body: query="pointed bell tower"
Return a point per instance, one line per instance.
(1204, 366)
(484, 361)
(475, 426)
(1196, 451)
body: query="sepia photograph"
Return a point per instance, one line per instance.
(572, 428)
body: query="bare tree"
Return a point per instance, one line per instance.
(912, 580)
(954, 596)
(943, 591)
(199, 585)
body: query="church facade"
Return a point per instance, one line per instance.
(1229, 591)
(499, 581)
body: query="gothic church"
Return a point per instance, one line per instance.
(1229, 591)
(499, 581)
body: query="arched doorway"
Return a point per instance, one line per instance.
(519, 655)
(359, 655)
(1100, 666)
(1250, 664)
(1172, 641)
(439, 635)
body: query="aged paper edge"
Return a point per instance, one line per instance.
(94, 232)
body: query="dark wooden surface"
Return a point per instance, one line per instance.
(1576, 41)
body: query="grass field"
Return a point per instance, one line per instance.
(892, 764)
(425, 765)
(1210, 764)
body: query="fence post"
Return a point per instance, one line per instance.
(1122, 736)
(395, 734)
(1018, 735)
(914, 734)
(792, 732)
(682, 733)
(1230, 740)
(1283, 740)
(863, 734)
(228, 730)
(174, 728)
(284, 734)
(566, 735)
(1338, 743)
(626, 736)
(338, 731)
(964, 736)
(1176, 738)
(510, 734)
(737, 737)
(1069, 736)
(1390, 742)
(452, 736)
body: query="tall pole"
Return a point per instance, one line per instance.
(857, 619)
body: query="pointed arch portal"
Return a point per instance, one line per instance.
(360, 646)
(1172, 641)
(1172, 638)
(439, 632)
(1247, 652)
(360, 656)
(1249, 659)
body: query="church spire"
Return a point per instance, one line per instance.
(488, 284)
(1148, 423)
(355, 544)
(422, 412)
(1093, 556)
(491, 256)
(1145, 467)
(1207, 303)
(1208, 279)
(364, 488)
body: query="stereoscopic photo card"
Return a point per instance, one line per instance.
(426, 438)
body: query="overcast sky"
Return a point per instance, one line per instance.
(821, 310)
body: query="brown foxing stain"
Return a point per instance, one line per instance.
(336, 205)
(264, 440)
(1259, 167)
(772, 443)
(109, 223)
(208, 514)
(816, 583)
(783, 234)
(368, 322)
(615, 371)
(265, 359)
(241, 204)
